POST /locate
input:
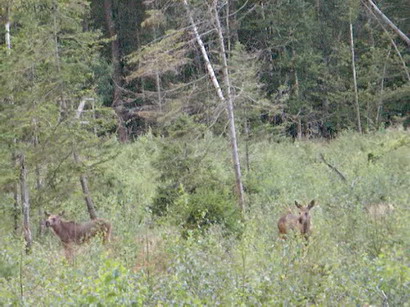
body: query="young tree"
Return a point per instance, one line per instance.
(48, 70)
(356, 95)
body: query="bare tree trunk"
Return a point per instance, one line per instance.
(296, 83)
(83, 178)
(296, 93)
(231, 24)
(17, 202)
(356, 95)
(228, 26)
(226, 102)
(25, 203)
(388, 21)
(380, 104)
(299, 127)
(16, 195)
(55, 35)
(117, 73)
(247, 138)
(158, 85)
(158, 81)
(39, 185)
(87, 196)
(61, 102)
(7, 28)
(15, 158)
(229, 110)
(403, 62)
(392, 42)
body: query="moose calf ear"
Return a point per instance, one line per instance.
(46, 213)
(312, 203)
(297, 204)
(62, 213)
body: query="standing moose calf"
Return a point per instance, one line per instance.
(71, 233)
(300, 222)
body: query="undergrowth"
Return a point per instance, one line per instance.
(350, 259)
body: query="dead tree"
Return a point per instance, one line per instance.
(227, 101)
(25, 201)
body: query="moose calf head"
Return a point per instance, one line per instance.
(53, 219)
(299, 223)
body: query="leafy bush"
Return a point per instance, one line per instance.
(195, 191)
(351, 258)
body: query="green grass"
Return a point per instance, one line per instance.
(351, 259)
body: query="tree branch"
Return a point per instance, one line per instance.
(388, 21)
(322, 157)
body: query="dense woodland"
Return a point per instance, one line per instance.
(191, 127)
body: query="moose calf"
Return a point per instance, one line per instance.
(300, 222)
(74, 233)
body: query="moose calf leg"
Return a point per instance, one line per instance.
(68, 251)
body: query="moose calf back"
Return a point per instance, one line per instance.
(97, 227)
(72, 232)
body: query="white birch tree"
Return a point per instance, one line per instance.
(227, 101)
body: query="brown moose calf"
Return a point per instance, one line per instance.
(71, 233)
(299, 223)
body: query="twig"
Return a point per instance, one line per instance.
(333, 168)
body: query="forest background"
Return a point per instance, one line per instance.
(192, 126)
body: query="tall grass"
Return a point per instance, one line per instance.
(350, 259)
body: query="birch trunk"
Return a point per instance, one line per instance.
(83, 178)
(247, 138)
(62, 101)
(39, 185)
(403, 62)
(15, 158)
(388, 22)
(158, 85)
(55, 35)
(16, 195)
(380, 103)
(226, 102)
(25, 203)
(356, 95)
(229, 110)
(7, 28)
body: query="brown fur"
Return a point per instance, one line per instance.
(300, 223)
(71, 233)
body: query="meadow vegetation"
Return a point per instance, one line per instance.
(179, 239)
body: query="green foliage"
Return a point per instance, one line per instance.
(352, 258)
(44, 78)
(170, 198)
(195, 189)
(205, 207)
